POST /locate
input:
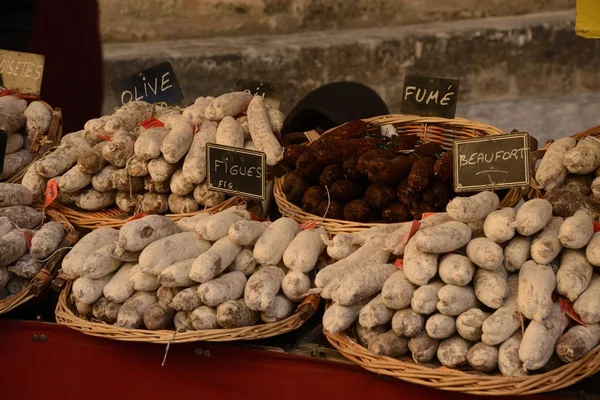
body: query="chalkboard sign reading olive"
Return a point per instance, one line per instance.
(493, 162)
(236, 171)
(3, 140)
(269, 91)
(21, 71)
(429, 97)
(157, 84)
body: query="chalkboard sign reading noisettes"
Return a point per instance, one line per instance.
(493, 162)
(157, 84)
(429, 97)
(236, 171)
(21, 71)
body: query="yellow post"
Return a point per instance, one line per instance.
(587, 22)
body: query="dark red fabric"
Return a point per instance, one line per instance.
(71, 365)
(67, 33)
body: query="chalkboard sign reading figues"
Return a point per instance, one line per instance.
(236, 171)
(429, 97)
(270, 92)
(21, 71)
(492, 162)
(157, 84)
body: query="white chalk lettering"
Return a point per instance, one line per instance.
(408, 91)
(126, 92)
(164, 82)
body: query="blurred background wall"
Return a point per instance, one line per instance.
(519, 62)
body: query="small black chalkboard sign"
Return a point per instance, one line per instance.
(157, 84)
(269, 91)
(492, 162)
(236, 171)
(3, 140)
(429, 97)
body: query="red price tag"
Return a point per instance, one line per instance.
(196, 128)
(307, 225)
(596, 226)
(567, 309)
(104, 137)
(427, 214)
(28, 238)
(152, 123)
(399, 263)
(51, 192)
(413, 229)
(137, 216)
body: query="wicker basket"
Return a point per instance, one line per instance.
(439, 377)
(115, 217)
(42, 280)
(429, 129)
(65, 315)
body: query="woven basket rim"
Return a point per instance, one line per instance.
(65, 316)
(469, 382)
(115, 217)
(335, 226)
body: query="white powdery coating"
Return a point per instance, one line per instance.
(14, 143)
(260, 131)
(576, 231)
(539, 340)
(577, 342)
(397, 291)
(34, 182)
(73, 261)
(587, 305)
(408, 323)
(452, 352)
(533, 216)
(186, 300)
(61, 160)
(584, 158)
(574, 274)
(235, 314)
(304, 250)
(177, 143)
(246, 233)
(141, 281)
(177, 274)
(389, 344)
(469, 324)
(204, 317)
(120, 287)
(38, 119)
(13, 194)
(228, 104)
(188, 224)
(440, 326)
(546, 246)
(516, 252)
(100, 263)
(230, 133)
(424, 299)
(244, 262)
(217, 226)
(46, 240)
(536, 284)
(366, 335)
(131, 314)
(363, 283)
(271, 245)
(148, 145)
(340, 246)
(474, 208)
(178, 247)
(280, 309)
(551, 172)
(456, 269)
(499, 226)
(419, 267)
(88, 290)
(104, 180)
(592, 251)
(92, 200)
(129, 116)
(482, 357)
(215, 260)
(443, 238)
(397, 239)
(423, 348)
(455, 300)
(338, 317)
(230, 286)
(491, 287)
(194, 164)
(179, 185)
(375, 313)
(295, 285)
(262, 287)
(485, 253)
(509, 363)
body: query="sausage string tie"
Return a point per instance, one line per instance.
(167, 349)
(328, 204)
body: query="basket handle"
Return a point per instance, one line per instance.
(309, 306)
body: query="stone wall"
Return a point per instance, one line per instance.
(147, 20)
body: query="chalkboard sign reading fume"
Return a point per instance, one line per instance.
(493, 162)
(429, 97)
(157, 84)
(236, 171)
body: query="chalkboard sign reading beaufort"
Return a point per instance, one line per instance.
(236, 171)
(492, 162)
(429, 97)
(21, 71)
(157, 84)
